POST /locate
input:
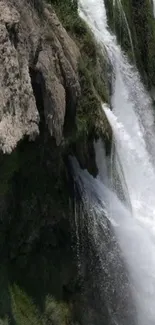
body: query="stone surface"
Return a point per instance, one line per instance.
(18, 112)
(40, 45)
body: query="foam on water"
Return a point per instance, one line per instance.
(132, 122)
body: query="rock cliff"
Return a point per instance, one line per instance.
(52, 80)
(38, 59)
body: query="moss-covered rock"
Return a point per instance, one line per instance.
(39, 276)
(135, 18)
(25, 311)
(93, 69)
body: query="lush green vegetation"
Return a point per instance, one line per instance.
(92, 70)
(25, 311)
(19, 308)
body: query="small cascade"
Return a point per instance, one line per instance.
(138, 171)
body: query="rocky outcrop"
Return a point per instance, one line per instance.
(38, 62)
(52, 83)
(18, 113)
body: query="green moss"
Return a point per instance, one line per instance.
(92, 70)
(23, 308)
(19, 308)
(56, 313)
(142, 25)
(117, 20)
(67, 12)
(4, 321)
(89, 107)
(139, 16)
(26, 312)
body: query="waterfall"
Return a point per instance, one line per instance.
(138, 170)
(114, 287)
(132, 122)
(126, 80)
(136, 244)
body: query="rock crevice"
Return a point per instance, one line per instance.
(29, 42)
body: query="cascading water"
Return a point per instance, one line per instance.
(114, 289)
(126, 81)
(136, 244)
(132, 122)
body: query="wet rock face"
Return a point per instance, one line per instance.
(40, 81)
(33, 50)
(57, 62)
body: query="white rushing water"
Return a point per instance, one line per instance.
(132, 122)
(126, 81)
(137, 245)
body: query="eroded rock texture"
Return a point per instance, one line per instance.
(38, 63)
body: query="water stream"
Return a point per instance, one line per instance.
(132, 122)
